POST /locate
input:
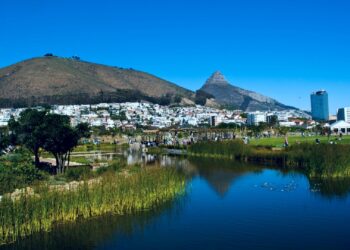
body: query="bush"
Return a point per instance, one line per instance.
(78, 173)
(117, 165)
(18, 171)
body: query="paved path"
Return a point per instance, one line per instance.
(52, 161)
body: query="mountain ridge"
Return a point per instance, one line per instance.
(56, 80)
(51, 79)
(227, 94)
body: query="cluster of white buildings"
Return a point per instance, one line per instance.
(287, 118)
(131, 115)
(137, 114)
(6, 114)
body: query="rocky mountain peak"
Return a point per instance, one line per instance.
(217, 78)
(238, 98)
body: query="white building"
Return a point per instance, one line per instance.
(340, 127)
(255, 118)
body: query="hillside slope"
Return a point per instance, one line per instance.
(55, 80)
(235, 97)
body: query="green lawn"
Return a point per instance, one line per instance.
(100, 147)
(279, 141)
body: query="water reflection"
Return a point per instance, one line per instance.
(249, 205)
(331, 188)
(221, 174)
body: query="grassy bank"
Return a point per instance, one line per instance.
(279, 141)
(323, 160)
(100, 147)
(114, 193)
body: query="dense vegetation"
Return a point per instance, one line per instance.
(112, 193)
(32, 200)
(317, 160)
(119, 95)
(42, 130)
(4, 139)
(18, 171)
(201, 97)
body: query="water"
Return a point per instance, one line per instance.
(227, 206)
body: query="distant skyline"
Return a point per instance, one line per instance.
(279, 48)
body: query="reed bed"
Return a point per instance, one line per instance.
(316, 160)
(115, 194)
(227, 149)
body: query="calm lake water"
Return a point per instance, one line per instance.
(227, 206)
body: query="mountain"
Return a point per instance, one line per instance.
(234, 97)
(54, 80)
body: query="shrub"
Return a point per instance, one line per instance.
(17, 171)
(78, 173)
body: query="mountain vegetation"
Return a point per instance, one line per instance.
(55, 80)
(52, 80)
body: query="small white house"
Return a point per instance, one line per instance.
(340, 127)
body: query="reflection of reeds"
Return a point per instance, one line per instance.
(115, 194)
(323, 160)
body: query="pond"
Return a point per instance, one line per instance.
(227, 206)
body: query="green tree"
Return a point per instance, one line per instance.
(244, 115)
(61, 138)
(273, 121)
(28, 131)
(283, 130)
(4, 139)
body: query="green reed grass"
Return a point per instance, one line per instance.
(316, 160)
(115, 194)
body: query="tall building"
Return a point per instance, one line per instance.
(319, 105)
(344, 114)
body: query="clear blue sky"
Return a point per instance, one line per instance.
(282, 48)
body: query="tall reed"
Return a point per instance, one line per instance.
(227, 149)
(116, 194)
(317, 160)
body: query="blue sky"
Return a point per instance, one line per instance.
(281, 48)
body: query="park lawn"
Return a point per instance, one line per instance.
(279, 141)
(101, 147)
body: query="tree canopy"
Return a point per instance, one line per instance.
(51, 132)
(27, 131)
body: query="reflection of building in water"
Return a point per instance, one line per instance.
(132, 159)
(155, 160)
(98, 155)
